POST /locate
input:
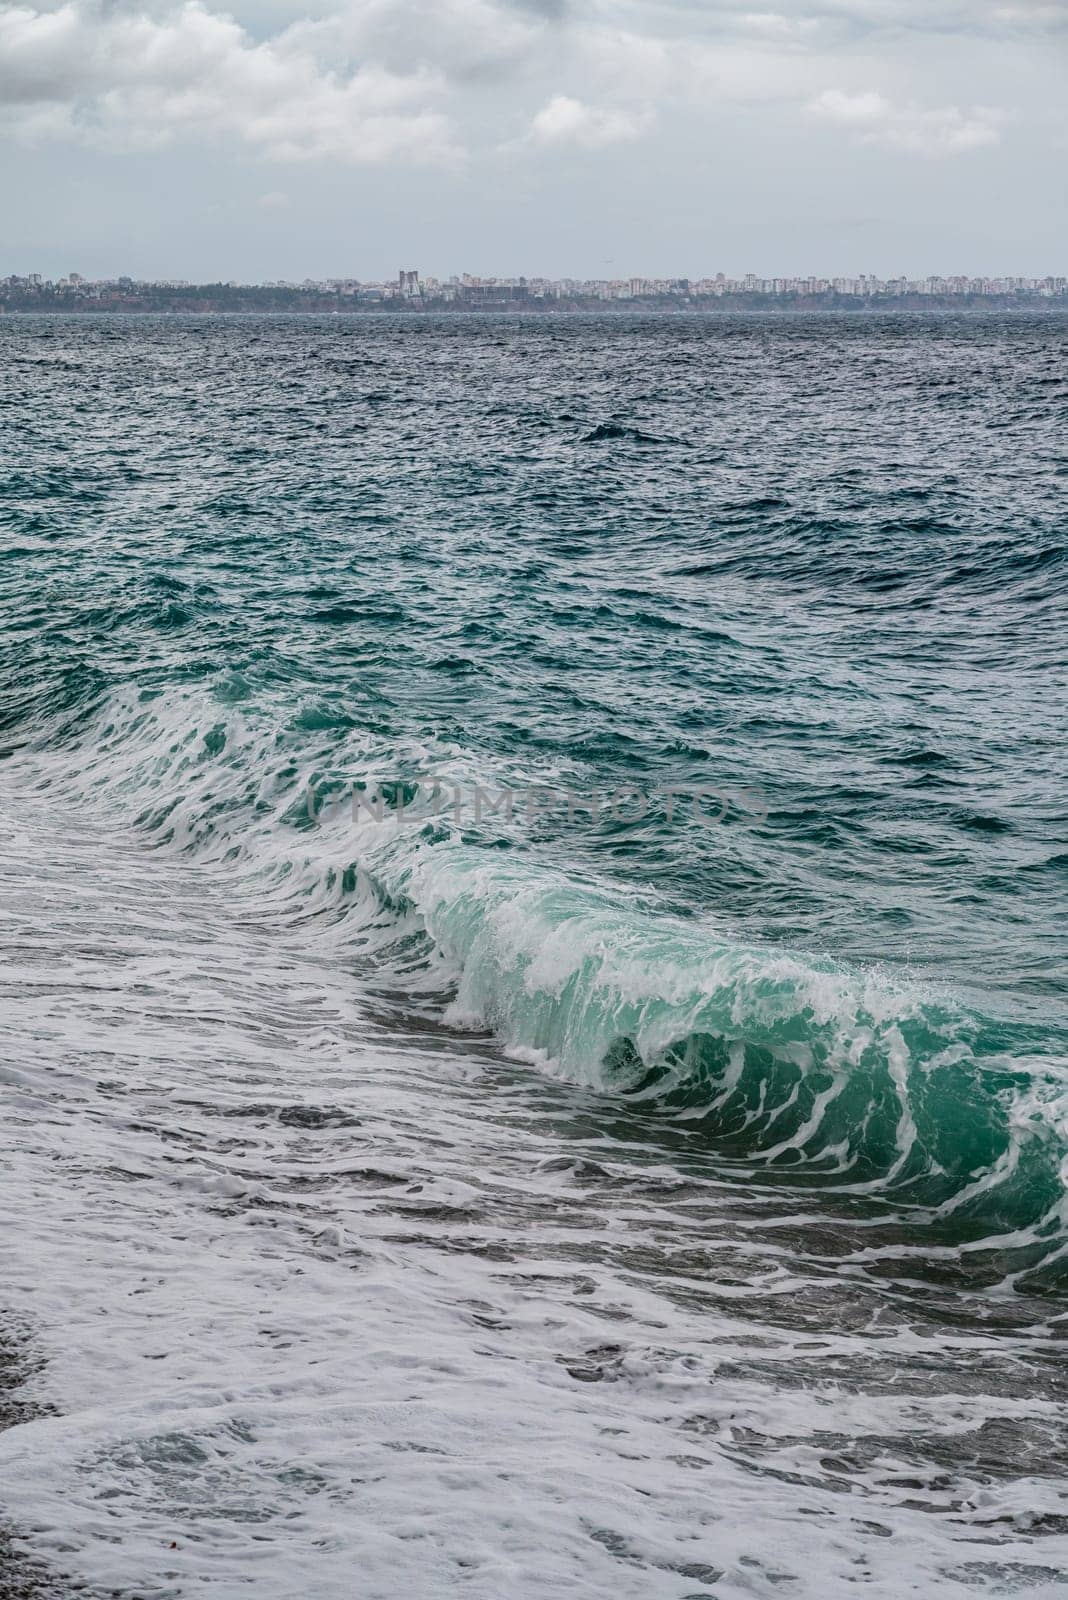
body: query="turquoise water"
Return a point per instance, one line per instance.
(251, 567)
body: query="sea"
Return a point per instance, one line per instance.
(534, 956)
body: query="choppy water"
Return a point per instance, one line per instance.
(644, 1204)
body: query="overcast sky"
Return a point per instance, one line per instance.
(566, 137)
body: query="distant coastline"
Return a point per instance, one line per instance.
(245, 302)
(413, 295)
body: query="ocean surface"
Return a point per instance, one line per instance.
(534, 955)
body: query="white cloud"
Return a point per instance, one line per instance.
(856, 110)
(469, 43)
(566, 121)
(777, 23)
(137, 80)
(965, 17)
(362, 81)
(1040, 18)
(944, 130)
(830, 18)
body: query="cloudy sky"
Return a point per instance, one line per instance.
(603, 137)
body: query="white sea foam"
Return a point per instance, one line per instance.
(330, 1303)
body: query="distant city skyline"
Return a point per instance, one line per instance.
(408, 282)
(297, 138)
(409, 290)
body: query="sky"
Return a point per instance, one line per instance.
(585, 138)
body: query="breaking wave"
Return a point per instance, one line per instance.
(793, 1066)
